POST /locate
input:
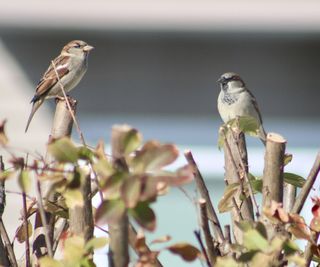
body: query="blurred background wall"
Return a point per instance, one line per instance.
(155, 67)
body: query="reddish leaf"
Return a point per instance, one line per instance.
(185, 251)
(276, 212)
(153, 156)
(182, 176)
(110, 212)
(112, 186)
(316, 207)
(149, 189)
(298, 227)
(144, 216)
(162, 239)
(131, 190)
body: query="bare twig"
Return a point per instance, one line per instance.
(198, 236)
(6, 251)
(308, 254)
(206, 231)
(212, 216)
(227, 233)
(26, 228)
(307, 186)
(132, 241)
(43, 218)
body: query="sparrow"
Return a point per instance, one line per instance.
(71, 65)
(235, 100)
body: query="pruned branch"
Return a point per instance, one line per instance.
(212, 216)
(273, 169)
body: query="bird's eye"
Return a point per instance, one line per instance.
(76, 46)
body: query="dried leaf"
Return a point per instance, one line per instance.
(110, 212)
(63, 150)
(185, 251)
(3, 137)
(144, 216)
(226, 203)
(21, 233)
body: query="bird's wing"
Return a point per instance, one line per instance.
(255, 104)
(49, 79)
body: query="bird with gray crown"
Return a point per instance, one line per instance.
(235, 100)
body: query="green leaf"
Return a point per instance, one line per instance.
(226, 202)
(124, 140)
(110, 212)
(73, 250)
(24, 181)
(46, 261)
(144, 216)
(244, 226)
(63, 150)
(112, 186)
(103, 168)
(153, 156)
(289, 247)
(255, 183)
(185, 251)
(85, 153)
(253, 240)
(246, 124)
(131, 190)
(287, 158)
(293, 179)
(226, 261)
(96, 243)
(247, 256)
(73, 198)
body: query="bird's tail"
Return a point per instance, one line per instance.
(262, 135)
(35, 107)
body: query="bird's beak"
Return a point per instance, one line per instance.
(220, 80)
(88, 48)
